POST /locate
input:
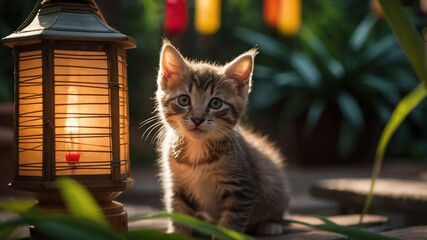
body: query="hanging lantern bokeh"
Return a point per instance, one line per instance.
(423, 6)
(271, 12)
(176, 16)
(289, 21)
(207, 16)
(376, 7)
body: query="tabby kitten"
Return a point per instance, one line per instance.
(212, 167)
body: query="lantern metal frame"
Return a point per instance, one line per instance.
(76, 25)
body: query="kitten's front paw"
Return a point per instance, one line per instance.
(270, 229)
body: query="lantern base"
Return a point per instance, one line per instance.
(114, 213)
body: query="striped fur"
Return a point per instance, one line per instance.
(211, 167)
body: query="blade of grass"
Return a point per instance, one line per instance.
(408, 37)
(79, 201)
(196, 224)
(352, 232)
(402, 110)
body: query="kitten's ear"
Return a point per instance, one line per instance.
(172, 64)
(240, 69)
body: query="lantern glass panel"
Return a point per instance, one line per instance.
(124, 115)
(82, 113)
(30, 125)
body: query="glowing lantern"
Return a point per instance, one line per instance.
(207, 16)
(176, 15)
(71, 104)
(271, 12)
(289, 21)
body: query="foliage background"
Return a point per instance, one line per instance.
(332, 21)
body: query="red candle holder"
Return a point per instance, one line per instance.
(72, 158)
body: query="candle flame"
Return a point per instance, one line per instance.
(71, 126)
(72, 123)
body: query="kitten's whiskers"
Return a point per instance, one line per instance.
(155, 124)
(148, 120)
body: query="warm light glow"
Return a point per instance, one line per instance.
(376, 7)
(176, 15)
(423, 6)
(207, 16)
(30, 114)
(271, 12)
(72, 127)
(83, 113)
(289, 21)
(71, 124)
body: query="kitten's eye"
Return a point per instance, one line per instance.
(215, 103)
(184, 100)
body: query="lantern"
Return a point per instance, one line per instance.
(289, 21)
(207, 16)
(71, 104)
(176, 15)
(271, 12)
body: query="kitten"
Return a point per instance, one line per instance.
(212, 167)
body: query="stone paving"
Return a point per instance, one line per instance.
(147, 189)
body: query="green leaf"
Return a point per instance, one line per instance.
(381, 86)
(154, 235)
(325, 220)
(265, 43)
(69, 228)
(306, 68)
(17, 206)
(79, 201)
(265, 94)
(362, 32)
(196, 224)
(315, 111)
(408, 37)
(350, 109)
(262, 71)
(352, 232)
(318, 47)
(61, 226)
(405, 106)
(288, 79)
(375, 53)
(8, 227)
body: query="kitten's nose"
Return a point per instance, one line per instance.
(197, 121)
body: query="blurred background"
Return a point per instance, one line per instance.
(322, 89)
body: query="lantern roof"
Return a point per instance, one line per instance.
(66, 20)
